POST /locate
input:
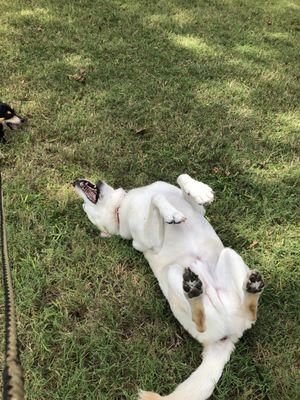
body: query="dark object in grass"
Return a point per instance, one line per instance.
(13, 377)
(140, 131)
(8, 118)
(80, 77)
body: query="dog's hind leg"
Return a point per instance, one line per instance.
(234, 277)
(169, 213)
(194, 190)
(192, 287)
(253, 287)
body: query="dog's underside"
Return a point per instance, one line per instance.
(211, 291)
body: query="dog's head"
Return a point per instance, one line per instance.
(101, 203)
(8, 117)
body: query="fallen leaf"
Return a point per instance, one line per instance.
(135, 280)
(77, 77)
(253, 244)
(140, 131)
(260, 165)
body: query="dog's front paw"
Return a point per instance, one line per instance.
(255, 283)
(199, 191)
(175, 218)
(148, 396)
(191, 284)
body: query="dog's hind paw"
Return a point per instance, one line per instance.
(191, 284)
(255, 283)
(148, 396)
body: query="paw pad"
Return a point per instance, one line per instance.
(191, 284)
(255, 283)
(176, 218)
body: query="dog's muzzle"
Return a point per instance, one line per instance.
(14, 122)
(90, 190)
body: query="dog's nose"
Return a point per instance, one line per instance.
(76, 182)
(23, 120)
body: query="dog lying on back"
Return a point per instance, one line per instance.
(9, 118)
(210, 289)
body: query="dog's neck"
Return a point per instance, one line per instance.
(117, 208)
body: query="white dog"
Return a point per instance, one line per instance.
(211, 291)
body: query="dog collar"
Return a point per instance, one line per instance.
(118, 215)
(117, 212)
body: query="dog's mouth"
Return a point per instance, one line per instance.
(90, 190)
(14, 122)
(12, 126)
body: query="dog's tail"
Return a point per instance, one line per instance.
(200, 385)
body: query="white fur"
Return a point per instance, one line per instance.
(14, 120)
(167, 224)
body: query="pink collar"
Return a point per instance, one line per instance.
(117, 211)
(118, 215)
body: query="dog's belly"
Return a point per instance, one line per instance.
(184, 243)
(220, 320)
(180, 246)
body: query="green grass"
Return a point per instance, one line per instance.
(216, 86)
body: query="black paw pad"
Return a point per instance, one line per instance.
(191, 284)
(255, 283)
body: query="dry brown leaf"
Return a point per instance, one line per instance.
(253, 244)
(140, 131)
(216, 170)
(77, 77)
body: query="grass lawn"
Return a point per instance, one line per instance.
(215, 86)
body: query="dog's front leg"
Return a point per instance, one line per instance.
(149, 235)
(169, 213)
(196, 193)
